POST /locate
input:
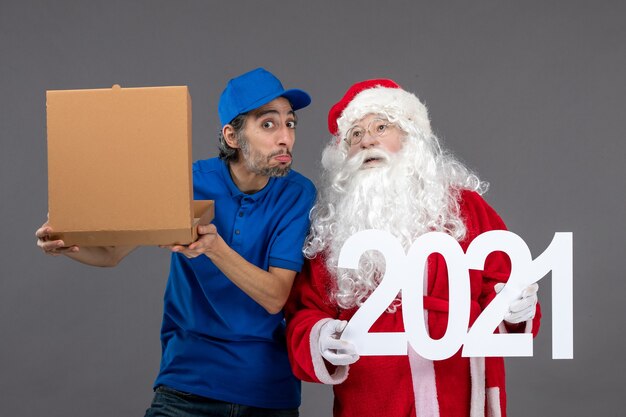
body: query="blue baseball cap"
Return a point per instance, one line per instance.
(254, 89)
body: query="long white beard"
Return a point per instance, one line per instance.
(411, 194)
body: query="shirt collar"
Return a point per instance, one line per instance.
(236, 192)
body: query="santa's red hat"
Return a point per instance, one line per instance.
(378, 96)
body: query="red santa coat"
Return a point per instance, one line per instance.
(409, 385)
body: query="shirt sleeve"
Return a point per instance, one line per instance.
(291, 230)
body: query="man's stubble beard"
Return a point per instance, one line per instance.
(258, 163)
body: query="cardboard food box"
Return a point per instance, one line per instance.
(119, 167)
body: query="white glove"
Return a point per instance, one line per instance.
(522, 308)
(337, 352)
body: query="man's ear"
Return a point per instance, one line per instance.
(230, 137)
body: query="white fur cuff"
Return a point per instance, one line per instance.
(319, 365)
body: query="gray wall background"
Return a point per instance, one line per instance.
(531, 94)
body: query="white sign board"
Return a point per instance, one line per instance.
(405, 272)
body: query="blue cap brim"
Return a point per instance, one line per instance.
(298, 98)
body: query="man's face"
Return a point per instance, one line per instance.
(267, 138)
(374, 132)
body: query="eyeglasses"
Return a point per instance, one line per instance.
(379, 128)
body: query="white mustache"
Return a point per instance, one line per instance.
(359, 159)
(353, 167)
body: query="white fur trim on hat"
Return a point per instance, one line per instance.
(395, 102)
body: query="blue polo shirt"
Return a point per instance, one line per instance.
(217, 341)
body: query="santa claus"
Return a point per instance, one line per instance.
(386, 170)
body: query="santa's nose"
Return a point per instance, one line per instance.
(369, 140)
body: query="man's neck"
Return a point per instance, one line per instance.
(247, 182)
